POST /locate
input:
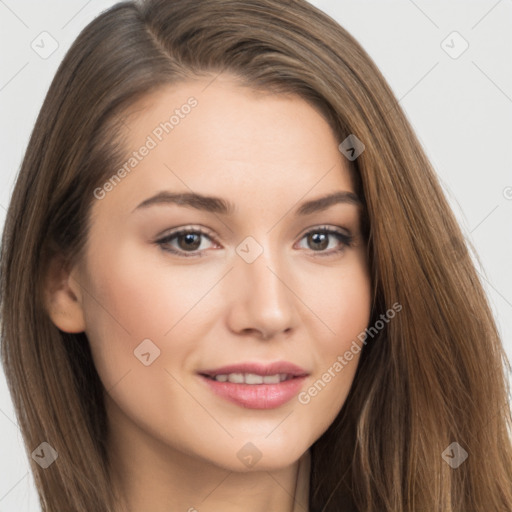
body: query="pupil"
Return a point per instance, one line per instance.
(319, 238)
(189, 237)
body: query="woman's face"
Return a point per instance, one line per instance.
(176, 323)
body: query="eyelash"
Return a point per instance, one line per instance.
(346, 241)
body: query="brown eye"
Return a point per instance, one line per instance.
(185, 242)
(190, 241)
(317, 240)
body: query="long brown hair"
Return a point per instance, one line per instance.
(435, 375)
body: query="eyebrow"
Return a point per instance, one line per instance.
(221, 206)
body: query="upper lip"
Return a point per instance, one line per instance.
(258, 369)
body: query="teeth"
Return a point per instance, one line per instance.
(251, 378)
(236, 378)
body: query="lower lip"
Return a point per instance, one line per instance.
(257, 396)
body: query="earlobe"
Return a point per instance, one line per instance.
(63, 297)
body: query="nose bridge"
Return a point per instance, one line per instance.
(261, 265)
(265, 297)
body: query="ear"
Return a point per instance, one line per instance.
(63, 297)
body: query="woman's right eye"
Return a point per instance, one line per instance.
(186, 239)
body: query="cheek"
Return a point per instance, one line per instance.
(133, 316)
(138, 293)
(134, 295)
(343, 306)
(340, 303)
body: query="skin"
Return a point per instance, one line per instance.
(174, 443)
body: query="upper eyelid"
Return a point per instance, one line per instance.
(209, 233)
(188, 229)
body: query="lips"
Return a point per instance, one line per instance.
(256, 385)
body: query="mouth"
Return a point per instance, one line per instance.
(251, 378)
(256, 386)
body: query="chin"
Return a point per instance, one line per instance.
(255, 453)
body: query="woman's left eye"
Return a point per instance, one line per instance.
(189, 241)
(320, 238)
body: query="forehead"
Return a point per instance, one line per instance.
(219, 138)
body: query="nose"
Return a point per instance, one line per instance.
(262, 298)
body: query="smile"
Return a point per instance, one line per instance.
(254, 385)
(252, 378)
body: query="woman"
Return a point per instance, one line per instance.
(228, 280)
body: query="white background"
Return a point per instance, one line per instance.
(460, 108)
